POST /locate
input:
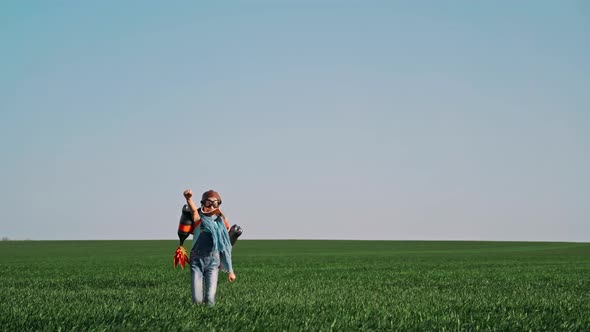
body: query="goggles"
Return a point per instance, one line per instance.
(210, 203)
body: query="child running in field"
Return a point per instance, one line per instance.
(211, 246)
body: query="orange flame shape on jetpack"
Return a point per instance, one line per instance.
(180, 257)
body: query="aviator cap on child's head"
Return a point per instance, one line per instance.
(211, 194)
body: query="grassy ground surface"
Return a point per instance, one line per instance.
(299, 285)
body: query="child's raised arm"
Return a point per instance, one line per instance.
(188, 194)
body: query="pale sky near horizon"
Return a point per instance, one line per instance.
(390, 120)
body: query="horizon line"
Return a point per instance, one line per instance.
(293, 239)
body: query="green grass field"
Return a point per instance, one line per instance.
(299, 285)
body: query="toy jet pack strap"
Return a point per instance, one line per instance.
(186, 226)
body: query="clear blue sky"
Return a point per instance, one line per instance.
(313, 119)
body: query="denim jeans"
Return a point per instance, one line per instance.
(204, 267)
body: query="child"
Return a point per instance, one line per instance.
(211, 246)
